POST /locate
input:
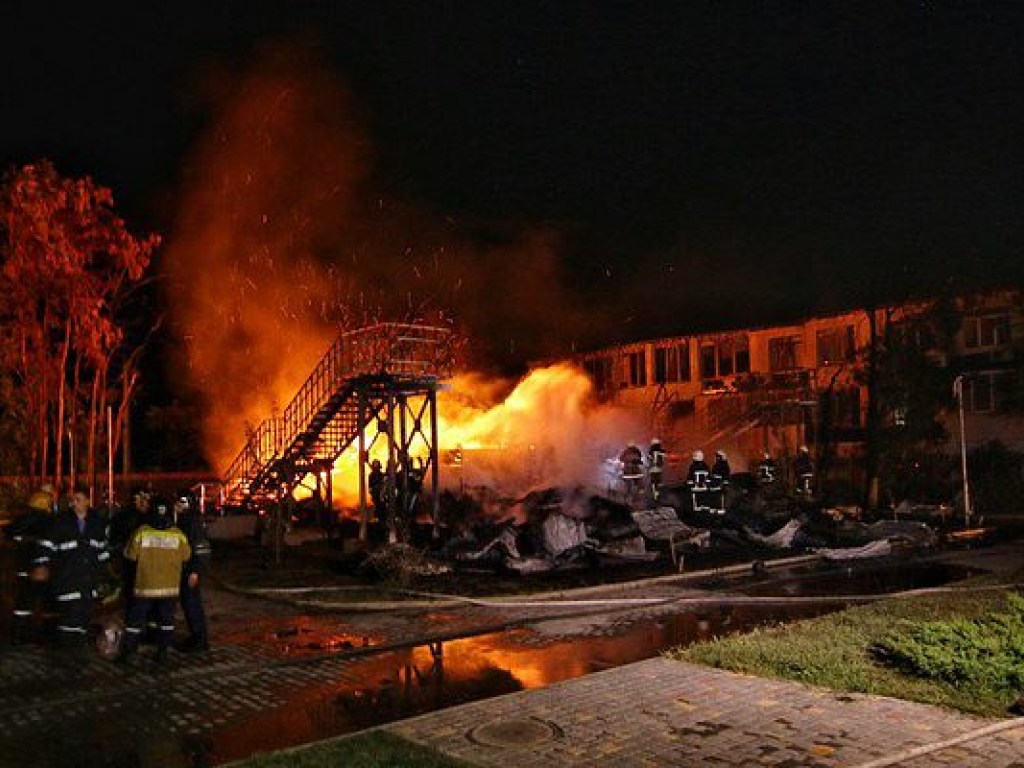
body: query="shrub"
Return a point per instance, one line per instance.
(985, 651)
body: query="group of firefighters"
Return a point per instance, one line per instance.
(706, 484)
(153, 550)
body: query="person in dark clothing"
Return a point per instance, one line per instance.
(632, 470)
(26, 532)
(698, 477)
(699, 474)
(72, 553)
(656, 466)
(720, 476)
(720, 470)
(119, 532)
(189, 519)
(375, 481)
(767, 470)
(803, 468)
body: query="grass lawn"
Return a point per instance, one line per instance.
(835, 651)
(375, 749)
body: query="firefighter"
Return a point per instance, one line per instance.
(767, 469)
(720, 476)
(72, 554)
(632, 470)
(159, 550)
(697, 478)
(189, 520)
(29, 588)
(720, 470)
(656, 466)
(376, 484)
(803, 468)
(119, 532)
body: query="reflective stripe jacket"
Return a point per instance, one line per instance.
(160, 555)
(73, 557)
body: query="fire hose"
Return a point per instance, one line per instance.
(435, 599)
(937, 746)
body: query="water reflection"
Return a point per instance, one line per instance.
(396, 685)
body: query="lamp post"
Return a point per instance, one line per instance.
(958, 389)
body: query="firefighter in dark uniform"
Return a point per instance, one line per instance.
(656, 466)
(803, 468)
(73, 554)
(632, 470)
(189, 519)
(767, 469)
(120, 530)
(721, 473)
(697, 478)
(29, 589)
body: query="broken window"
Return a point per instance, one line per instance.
(836, 345)
(638, 369)
(986, 331)
(782, 353)
(672, 364)
(708, 370)
(726, 350)
(742, 355)
(600, 371)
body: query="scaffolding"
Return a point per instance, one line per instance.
(384, 377)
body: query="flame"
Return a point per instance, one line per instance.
(280, 241)
(545, 430)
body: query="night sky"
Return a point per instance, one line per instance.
(705, 165)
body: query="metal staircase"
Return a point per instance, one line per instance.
(362, 376)
(781, 399)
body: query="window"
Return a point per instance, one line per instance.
(707, 361)
(726, 351)
(782, 353)
(986, 331)
(724, 358)
(600, 370)
(991, 392)
(672, 364)
(836, 345)
(742, 355)
(847, 407)
(638, 369)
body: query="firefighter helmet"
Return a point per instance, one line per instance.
(698, 455)
(721, 455)
(41, 501)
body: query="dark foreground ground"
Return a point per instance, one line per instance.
(290, 669)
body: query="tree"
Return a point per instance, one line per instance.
(908, 390)
(67, 266)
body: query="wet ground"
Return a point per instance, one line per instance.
(280, 675)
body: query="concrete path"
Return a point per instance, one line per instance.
(665, 713)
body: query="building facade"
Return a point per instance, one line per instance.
(775, 388)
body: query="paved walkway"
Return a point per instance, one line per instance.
(666, 713)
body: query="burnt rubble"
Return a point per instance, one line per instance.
(555, 529)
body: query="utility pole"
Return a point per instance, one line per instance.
(958, 389)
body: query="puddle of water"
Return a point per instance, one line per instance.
(396, 685)
(403, 684)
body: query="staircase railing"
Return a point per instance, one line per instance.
(394, 349)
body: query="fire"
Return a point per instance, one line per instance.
(545, 430)
(282, 238)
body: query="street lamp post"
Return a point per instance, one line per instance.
(958, 389)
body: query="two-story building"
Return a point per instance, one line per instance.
(771, 388)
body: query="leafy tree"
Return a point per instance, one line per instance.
(67, 266)
(908, 389)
